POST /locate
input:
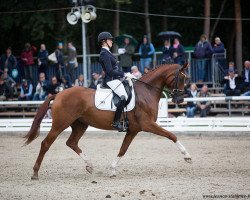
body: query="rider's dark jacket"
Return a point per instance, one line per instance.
(109, 66)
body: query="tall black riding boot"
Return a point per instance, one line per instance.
(116, 123)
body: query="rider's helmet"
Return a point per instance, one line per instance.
(104, 36)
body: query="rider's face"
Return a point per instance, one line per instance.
(110, 42)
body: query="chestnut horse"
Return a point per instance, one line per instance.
(75, 107)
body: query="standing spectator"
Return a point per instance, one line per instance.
(28, 60)
(135, 71)
(53, 87)
(26, 91)
(60, 61)
(246, 75)
(97, 79)
(191, 106)
(10, 83)
(72, 61)
(202, 51)
(232, 84)
(203, 106)
(66, 82)
(179, 53)
(218, 46)
(42, 59)
(8, 61)
(167, 52)
(41, 86)
(146, 52)
(231, 65)
(4, 90)
(126, 53)
(80, 80)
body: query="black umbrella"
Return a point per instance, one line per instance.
(166, 35)
(119, 40)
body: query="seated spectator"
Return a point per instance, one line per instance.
(66, 82)
(41, 92)
(231, 64)
(218, 46)
(178, 52)
(167, 52)
(26, 91)
(146, 70)
(232, 84)
(80, 81)
(191, 106)
(97, 79)
(135, 71)
(203, 106)
(53, 87)
(11, 84)
(4, 90)
(246, 75)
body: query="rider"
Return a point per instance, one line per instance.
(112, 75)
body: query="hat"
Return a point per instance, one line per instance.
(24, 80)
(231, 69)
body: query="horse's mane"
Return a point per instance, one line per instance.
(145, 75)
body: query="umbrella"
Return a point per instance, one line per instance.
(119, 40)
(169, 35)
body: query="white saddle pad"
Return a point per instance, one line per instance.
(103, 100)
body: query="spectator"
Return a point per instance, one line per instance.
(126, 53)
(218, 46)
(42, 59)
(4, 90)
(72, 61)
(53, 87)
(28, 60)
(232, 84)
(146, 70)
(42, 84)
(66, 82)
(203, 106)
(80, 81)
(135, 71)
(246, 75)
(8, 61)
(146, 50)
(10, 83)
(179, 53)
(26, 91)
(97, 79)
(202, 51)
(60, 61)
(167, 52)
(231, 65)
(191, 106)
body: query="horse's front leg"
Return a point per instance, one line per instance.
(156, 129)
(125, 144)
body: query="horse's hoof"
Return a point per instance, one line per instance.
(188, 160)
(34, 177)
(89, 169)
(113, 176)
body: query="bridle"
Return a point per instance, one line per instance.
(176, 93)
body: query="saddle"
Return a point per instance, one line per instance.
(106, 99)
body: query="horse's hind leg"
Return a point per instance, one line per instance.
(78, 129)
(125, 144)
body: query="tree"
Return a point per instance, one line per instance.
(147, 20)
(206, 28)
(238, 30)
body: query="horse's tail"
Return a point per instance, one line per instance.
(34, 130)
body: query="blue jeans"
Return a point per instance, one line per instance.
(145, 62)
(201, 69)
(191, 111)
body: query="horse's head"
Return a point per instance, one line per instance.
(177, 84)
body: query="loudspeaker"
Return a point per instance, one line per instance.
(73, 16)
(88, 14)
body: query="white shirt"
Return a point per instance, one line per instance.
(246, 75)
(232, 84)
(106, 48)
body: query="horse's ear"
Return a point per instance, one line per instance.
(185, 66)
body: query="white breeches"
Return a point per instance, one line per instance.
(118, 88)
